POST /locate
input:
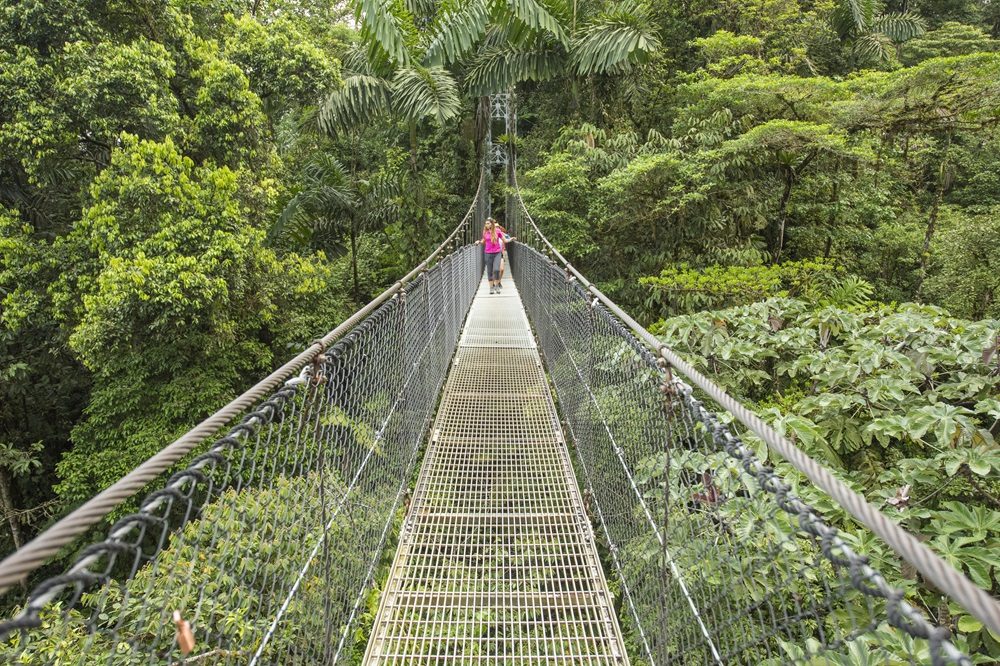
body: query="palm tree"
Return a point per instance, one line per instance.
(492, 44)
(416, 51)
(873, 33)
(334, 203)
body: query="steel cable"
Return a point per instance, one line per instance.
(300, 496)
(584, 335)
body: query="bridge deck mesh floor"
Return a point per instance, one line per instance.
(496, 562)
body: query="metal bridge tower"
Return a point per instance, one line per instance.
(503, 121)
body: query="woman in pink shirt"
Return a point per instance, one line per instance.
(493, 245)
(506, 240)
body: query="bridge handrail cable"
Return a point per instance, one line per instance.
(15, 567)
(935, 569)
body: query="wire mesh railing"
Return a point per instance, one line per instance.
(264, 546)
(496, 563)
(717, 559)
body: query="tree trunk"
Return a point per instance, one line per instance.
(574, 89)
(413, 146)
(483, 124)
(783, 212)
(878, 161)
(8, 507)
(929, 234)
(834, 209)
(984, 305)
(417, 183)
(932, 218)
(356, 150)
(354, 257)
(594, 118)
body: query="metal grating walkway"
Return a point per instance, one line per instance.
(496, 562)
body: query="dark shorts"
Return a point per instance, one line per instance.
(493, 265)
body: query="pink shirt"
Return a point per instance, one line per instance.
(491, 247)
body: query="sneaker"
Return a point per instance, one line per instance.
(500, 287)
(492, 290)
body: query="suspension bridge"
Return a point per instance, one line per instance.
(455, 477)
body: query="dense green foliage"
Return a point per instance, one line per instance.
(140, 165)
(827, 172)
(233, 591)
(191, 189)
(883, 172)
(147, 274)
(901, 401)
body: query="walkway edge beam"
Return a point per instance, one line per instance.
(15, 568)
(946, 578)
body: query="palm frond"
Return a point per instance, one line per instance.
(421, 9)
(291, 210)
(329, 200)
(304, 121)
(380, 197)
(899, 26)
(386, 183)
(359, 59)
(328, 234)
(537, 17)
(495, 69)
(297, 233)
(842, 21)
(323, 232)
(325, 169)
(874, 46)
(497, 35)
(361, 99)
(862, 13)
(327, 194)
(853, 17)
(385, 24)
(613, 43)
(424, 92)
(456, 31)
(506, 30)
(380, 213)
